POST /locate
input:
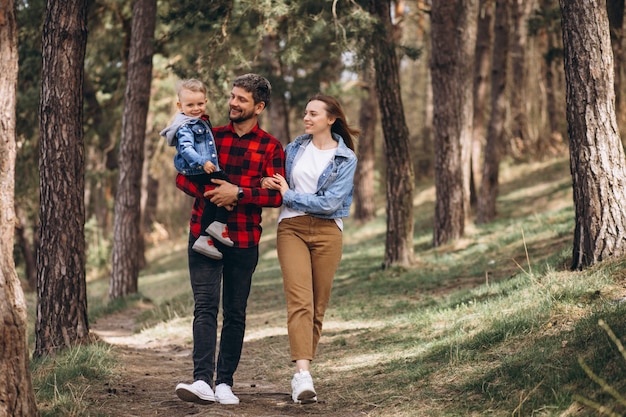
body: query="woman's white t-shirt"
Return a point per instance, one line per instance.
(305, 175)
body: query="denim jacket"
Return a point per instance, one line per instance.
(334, 187)
(194, 142)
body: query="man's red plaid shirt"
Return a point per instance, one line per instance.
(245, 160)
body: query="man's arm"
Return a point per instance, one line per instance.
(227, 194)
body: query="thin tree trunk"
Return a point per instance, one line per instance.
(17, 398)
(520, 12)
(62, 314)
(453, 47)
(364, 206)
(26, 247)
(596, 154)
(482, 68)
(150, 183)
(399, 171)
(495, 133)
(127, 240)
(278, 110)
(553, 119)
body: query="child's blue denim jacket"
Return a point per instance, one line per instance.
(194, 142)
(334, 188)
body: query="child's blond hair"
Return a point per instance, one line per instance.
(191, 84)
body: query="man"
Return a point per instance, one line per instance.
(246, 154)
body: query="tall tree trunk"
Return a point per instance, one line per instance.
(364, 206)
(596, 154)
(62, 314)
(17, 397)
(399, 172)
(278, 109)
(520, 12)
(495, 133)
(453, 47)
(551, 88)
(150, 185)
(127, 247)
(482, 68)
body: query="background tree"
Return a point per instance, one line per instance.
(453, 45)
(482, 70)
(486, 211)
(399, 165)
(596, 154)
(364, 205)
(128, 245)
(62, 314)
(520, 11)
(17, 397)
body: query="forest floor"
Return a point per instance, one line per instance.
(148, 371)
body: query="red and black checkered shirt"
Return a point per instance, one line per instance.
(245, 160)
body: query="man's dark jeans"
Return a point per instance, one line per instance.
(205, 273)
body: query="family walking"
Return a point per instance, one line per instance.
(232, 172)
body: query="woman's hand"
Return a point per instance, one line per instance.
(276, 182)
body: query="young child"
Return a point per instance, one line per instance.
(196, 158)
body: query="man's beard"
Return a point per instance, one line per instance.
(242, 117)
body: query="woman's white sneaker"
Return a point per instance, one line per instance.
(199, 392)
(302, 390)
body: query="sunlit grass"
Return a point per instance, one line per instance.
(492, 324)
(62, 382)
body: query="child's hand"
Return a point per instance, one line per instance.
(209, 167)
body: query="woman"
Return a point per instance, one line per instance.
(317, 193)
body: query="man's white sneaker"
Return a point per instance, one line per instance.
(224, 395)
(302, 390)
(199, 392)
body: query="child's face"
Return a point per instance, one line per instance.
(191, 103)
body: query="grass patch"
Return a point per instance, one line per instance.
(62, 382)
(493, 324)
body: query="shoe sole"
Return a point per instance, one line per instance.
(306, 397)
(227, 402)
(191, 397)
(216, 256)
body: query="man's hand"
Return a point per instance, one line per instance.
(224, 194)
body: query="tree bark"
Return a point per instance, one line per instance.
(278, 109)
(596, 154)
(482, 68)
(491, 168)
(17, 397)
(62, 314)
(453, 47)
(400, 177)
(520, 12)
(127, 247)
(364, 206)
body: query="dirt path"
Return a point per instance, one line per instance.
(150, 369)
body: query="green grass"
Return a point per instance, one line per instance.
(62, 382)
(491, 325)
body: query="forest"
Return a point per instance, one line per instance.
(454, 98)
